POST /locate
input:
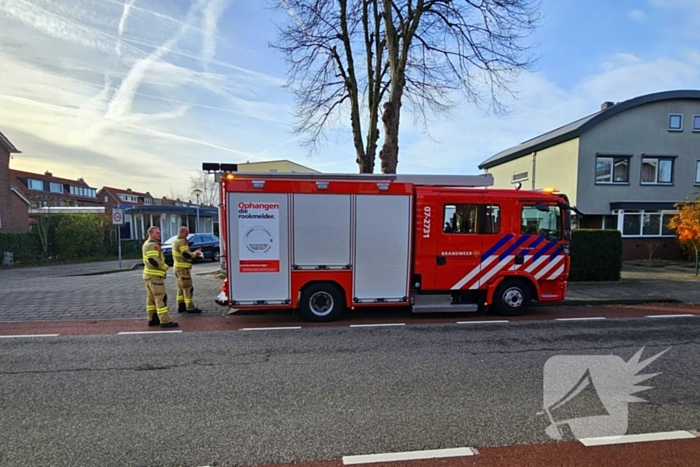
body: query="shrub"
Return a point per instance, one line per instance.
(596, 255)
(21, 245)
(82, 235)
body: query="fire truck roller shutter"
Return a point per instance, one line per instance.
(321, 301)
(512, 297)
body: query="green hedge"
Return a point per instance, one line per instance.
(596, 255)
(21, 245)
(68, 237)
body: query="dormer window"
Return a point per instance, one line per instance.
(37, 185)
(56, 187)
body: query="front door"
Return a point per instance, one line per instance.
(459, 250)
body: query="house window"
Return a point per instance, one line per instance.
(36, 185)
(696, 122)
(520, 177)
(610, 222)
(675, 122)
(612, 170)
(697, 172)
(56, 187)
(106, 199)
(147, 201)
(128, 198)
(656, 170)
(646, 223)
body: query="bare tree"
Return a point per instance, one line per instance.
(210, 190)
(420, 51)
(335, 51)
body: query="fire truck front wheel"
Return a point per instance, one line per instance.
(512, 298)
(321, 301)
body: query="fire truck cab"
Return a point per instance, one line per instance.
(323, 243)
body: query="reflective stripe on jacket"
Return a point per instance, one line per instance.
(182, 256)
(153, 259)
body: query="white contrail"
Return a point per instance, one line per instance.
(124, 97)
(122, 22)
(212, 13)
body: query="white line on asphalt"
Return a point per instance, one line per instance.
(663, 436)
(581, 319)
(271, 329)
(146, 332)
(410, 455)
(669, 316)
(376, 325)
(496, 321)
(30, 335)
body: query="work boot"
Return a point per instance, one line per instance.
(154, 322)
(196, 310)
(171, 324)
(181, 308)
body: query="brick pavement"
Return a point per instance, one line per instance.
(55, 293)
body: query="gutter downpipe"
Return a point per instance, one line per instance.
(534, 168)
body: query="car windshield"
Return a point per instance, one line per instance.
(170, 240)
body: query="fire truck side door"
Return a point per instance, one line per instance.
(459, 248)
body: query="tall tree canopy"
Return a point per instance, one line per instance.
(363, 59)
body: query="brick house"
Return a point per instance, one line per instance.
(14, 207)
(46, 190)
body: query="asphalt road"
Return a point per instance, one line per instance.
(261, 397)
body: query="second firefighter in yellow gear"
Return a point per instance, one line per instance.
(182, 262)
(154, 272)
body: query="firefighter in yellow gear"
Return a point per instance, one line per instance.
(182, 262)
(154, 272)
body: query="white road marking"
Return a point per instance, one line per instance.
(271, 329)
(146, 332)
(376, 325)
(669, 316)
(30, 335)
(581, 319)
(663, 436)
(484, 322)
(410, 455)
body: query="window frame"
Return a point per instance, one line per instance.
(672, 159)
(477, 217)
(614, 160)
(55, 184)
(525, 177)
(697, 171)
(670, 116)
(641, 213)
(34, 180)
(696, 129)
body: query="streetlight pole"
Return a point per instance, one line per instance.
(197, 192)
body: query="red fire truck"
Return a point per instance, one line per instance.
(322, 243)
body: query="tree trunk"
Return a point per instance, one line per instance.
(389, 155)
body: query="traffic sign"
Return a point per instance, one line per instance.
(118, 216)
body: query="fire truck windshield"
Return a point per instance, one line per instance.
(542, 220)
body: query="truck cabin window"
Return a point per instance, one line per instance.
(461, 218)
(542, 220)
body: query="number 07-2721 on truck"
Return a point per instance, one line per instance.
(323, 243)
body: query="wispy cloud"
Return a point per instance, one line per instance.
(212, 13)
(637, 15)
(122, 22)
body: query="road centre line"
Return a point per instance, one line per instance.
(271, 329)
(596, 318)
(670, 316)
(146, 332)
(662, 436)
(376, 325)
(496, 321)
(30, 335)
(409, 455)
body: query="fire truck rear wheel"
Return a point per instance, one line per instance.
(512, 298)
(321, 302)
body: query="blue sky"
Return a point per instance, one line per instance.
(139, 93)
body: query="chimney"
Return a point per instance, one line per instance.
(606, 105)
(129, 190)
(48, 174)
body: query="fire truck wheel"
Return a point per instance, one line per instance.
(512, 298)
(321, 302)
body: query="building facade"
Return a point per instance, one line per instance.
(625, 167)
(14, 207)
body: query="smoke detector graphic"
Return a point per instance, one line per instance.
(258, 240)
(586, 396)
